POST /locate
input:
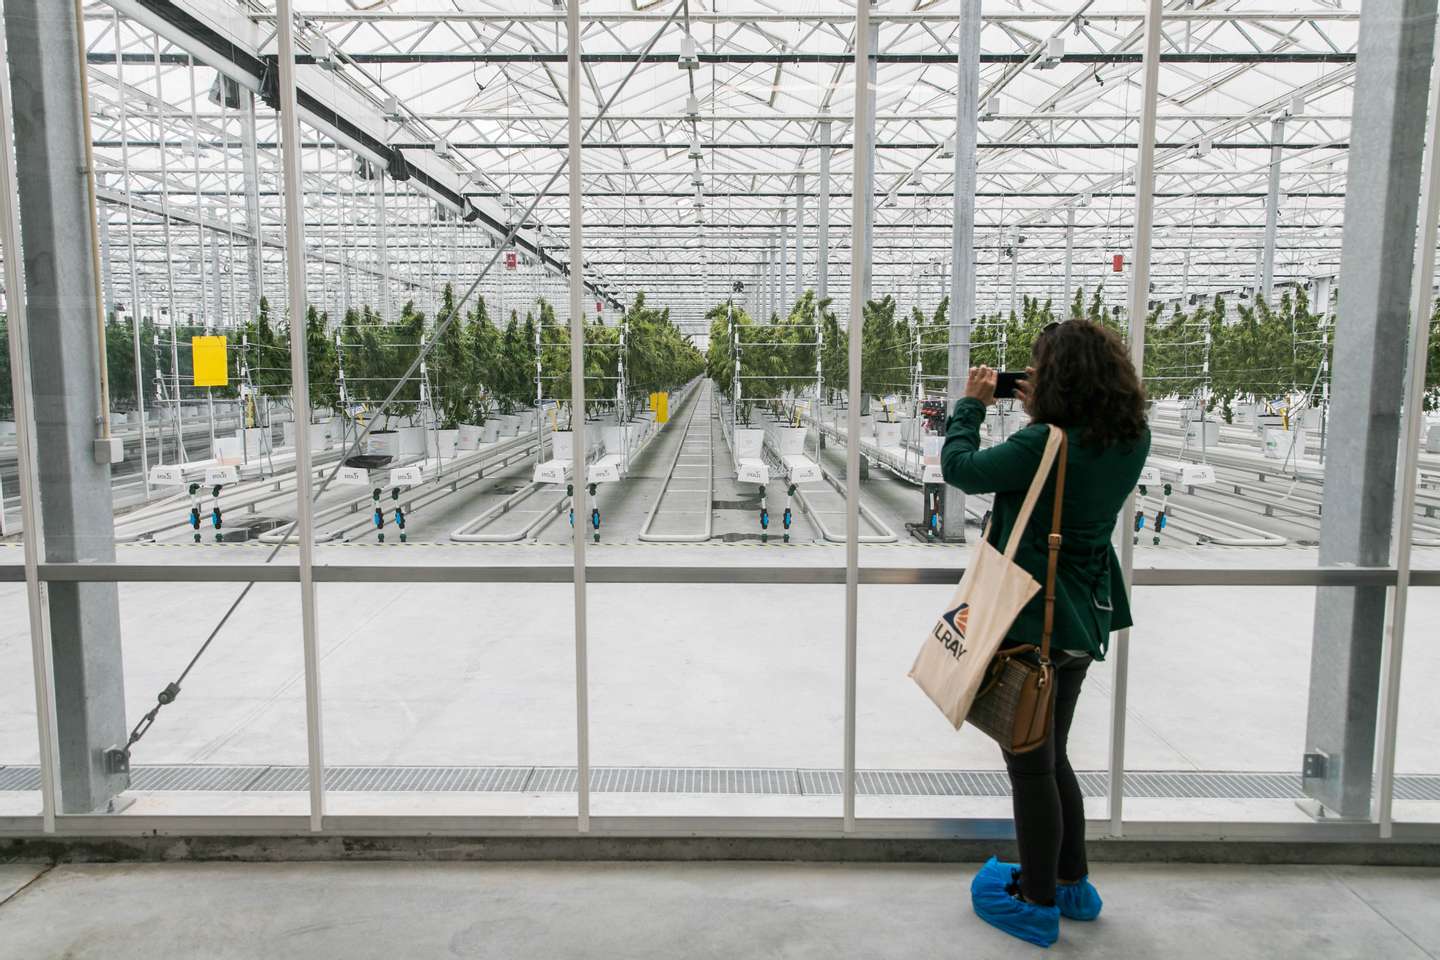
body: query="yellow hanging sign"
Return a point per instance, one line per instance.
(209, 361)
(662, 407)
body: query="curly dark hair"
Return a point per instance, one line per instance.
(1084, 378)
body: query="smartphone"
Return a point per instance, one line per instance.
(1005, 382)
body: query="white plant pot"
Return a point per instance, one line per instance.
(887, 434)
(1432, 438)
(789, 441)
(383, 443)
(1310, 418)
(1283, 444)
(226, 450)
(1202, 434)
(469, 436)
(7, 428)
(320, 435)
(867, 426)
(562, 445)
(256, 440)
(412, 441)
(442, 443)
(490, 432)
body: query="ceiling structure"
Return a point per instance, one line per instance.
(471, 93)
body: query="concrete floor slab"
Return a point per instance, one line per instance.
(14, 877)
(695, 910)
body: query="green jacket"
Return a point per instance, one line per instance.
(1090, 598)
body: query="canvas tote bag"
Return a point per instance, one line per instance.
(956, 654)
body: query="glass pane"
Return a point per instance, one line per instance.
(449, 698)
(716, 700)
(1204, 664)
(234, 739)
(19, 735)
(1417, 743)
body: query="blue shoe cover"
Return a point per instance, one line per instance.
(1078, 901)
(994, 904)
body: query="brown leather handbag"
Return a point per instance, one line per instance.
(1015, 706)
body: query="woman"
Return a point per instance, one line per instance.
(1083, 381)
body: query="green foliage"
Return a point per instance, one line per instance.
(322, 362)
(1432, 362)
(451, 365)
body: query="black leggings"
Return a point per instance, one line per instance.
(1049, 808)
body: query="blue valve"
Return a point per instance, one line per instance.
(215, 518)
(400, 518)
(572, 518)
(379, 518)
(1139, 520)
(787, 518)
(195, 517)
(1161, 519)
(764, 519)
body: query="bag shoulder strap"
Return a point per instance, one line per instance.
(1054, 546)
(1053, 444)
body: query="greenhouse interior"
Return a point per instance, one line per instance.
(426, 423)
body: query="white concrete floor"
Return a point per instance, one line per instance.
(314, 911)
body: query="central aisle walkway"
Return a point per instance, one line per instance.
(640, 911)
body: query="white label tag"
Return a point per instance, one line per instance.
(551, 471)
(407, 476)
(605, 471)
(1196, 474)
(221, 475)
(1149, 476)
(353, 476)
(171, 476)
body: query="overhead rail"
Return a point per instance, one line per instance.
(800, 58)
(1330, 14)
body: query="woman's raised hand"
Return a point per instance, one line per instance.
(981, 385)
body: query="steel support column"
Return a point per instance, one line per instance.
(1272, 209)
(107, 273)
(250, 165)
(962, 240)
(293, 185)
(822, 216)
(861, 200)
(866, 186)
(1139, 298)
(1069, 258)
(382, 247)
(799, 237)
(782, 268)
(1392, 78)
(577, 407)
(57, 231)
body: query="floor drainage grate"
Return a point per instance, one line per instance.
(750, 781)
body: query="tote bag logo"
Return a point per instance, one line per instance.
(950, 631)
(958, 619)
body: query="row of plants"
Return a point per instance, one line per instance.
(476, 370)
(1221, 352)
